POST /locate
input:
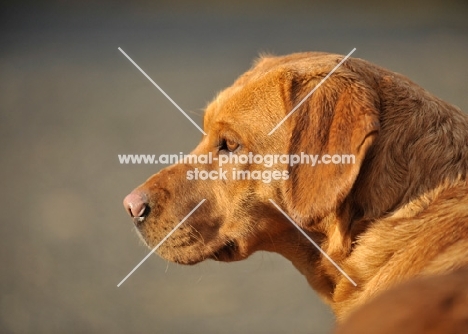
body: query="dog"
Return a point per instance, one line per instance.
(397, 212)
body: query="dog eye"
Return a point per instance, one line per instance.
(228, 145)
(231, 145)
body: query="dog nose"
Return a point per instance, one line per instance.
(136, 203)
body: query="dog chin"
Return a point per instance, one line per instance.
(228, 252)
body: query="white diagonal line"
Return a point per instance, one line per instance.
(312, 91)
(313, 243)
(163, 92)
(161, 242)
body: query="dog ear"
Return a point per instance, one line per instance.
(337, 124)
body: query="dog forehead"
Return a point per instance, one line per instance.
(266, 74)
(281, 67)
(295, 61)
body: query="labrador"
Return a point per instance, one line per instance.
(396, 208)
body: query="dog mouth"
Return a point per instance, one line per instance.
(190, 252)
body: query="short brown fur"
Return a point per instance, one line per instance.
(426, 305)
(399, 212)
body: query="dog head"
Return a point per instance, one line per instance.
(339, 118)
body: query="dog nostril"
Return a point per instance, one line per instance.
(136, 204)
(129, 211)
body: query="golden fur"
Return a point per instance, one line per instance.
(428, 305)
(399, 212)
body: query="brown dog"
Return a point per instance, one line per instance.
(399, 211)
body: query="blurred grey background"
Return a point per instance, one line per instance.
(70, 102)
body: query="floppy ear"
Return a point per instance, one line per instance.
(339, 119)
